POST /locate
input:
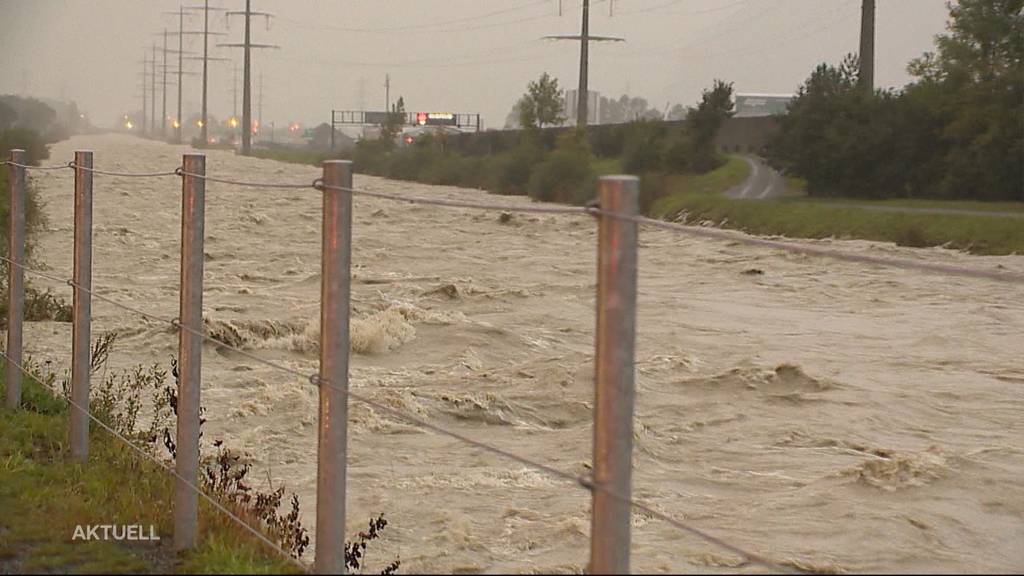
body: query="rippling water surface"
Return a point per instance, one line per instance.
(829, 416)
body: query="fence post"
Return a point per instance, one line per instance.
(190, 350)
(15, 279)
(614, 376)
(334, 352)
(81, 308)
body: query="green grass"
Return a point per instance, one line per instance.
(44, 495)
(681, 187)
(921, 203)
(606, 166)
(294, 155)
(799, 218)
(703, 199)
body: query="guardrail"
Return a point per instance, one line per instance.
(616, 212)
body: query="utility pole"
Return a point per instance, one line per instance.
(867, 46)
(203, 129)
(246, 97)
(181, 48)
(145, 102)
(163, 91)
(387, 92)
(247, 47)
(181, 33)
(165, 83)
(583, 97)
(152, 94)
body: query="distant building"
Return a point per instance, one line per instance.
(751, 105)
(593, 105)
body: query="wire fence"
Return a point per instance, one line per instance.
(593, 210)
(315, 379)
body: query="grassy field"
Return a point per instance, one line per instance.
(1016, 207)
(293, 155)
(44, 496)
(701, 197)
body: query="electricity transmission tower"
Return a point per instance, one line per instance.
(584, 38)
(247, 45)
(164, 83)
(145, 100)
(206, 59)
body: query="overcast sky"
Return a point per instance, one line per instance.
(448, 55)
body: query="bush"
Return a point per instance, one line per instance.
(565, 176)
(644, 146)
(511, 174)
(371, 156)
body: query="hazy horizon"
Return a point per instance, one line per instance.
(453, 56)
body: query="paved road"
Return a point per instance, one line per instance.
(763, 183)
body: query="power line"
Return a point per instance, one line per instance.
(431, 27)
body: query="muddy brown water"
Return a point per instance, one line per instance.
(827, 415)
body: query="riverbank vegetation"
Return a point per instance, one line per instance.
(47, 498)
(955, 132)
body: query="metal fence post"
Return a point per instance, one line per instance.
(614, 376)
(190, 350)
(82, 308)
(15, 279)
(334, 352)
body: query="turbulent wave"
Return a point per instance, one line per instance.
(902, 470)
(377, 332)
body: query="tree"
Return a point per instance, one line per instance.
(543, 104)
(703, 122)
(974, 85)
(396, 118)
(677, 112)
(956, 132)
(7, 116)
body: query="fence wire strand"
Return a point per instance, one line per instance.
(694, 231)
(29, 167)
(213, 501)
(315, 380)
(578, 210)
(181, 172)
(124, 174)
(732, 236)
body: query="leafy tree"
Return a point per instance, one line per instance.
(974, 85)
(7, 116)
(703, 122)
(957, 132)
(677, 112)
(396, 118)
(543, 104)
(30, 113)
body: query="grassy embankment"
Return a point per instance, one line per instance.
(44, 496)
(701, 196)
(801, 217)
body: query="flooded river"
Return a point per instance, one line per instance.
(827, 415)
